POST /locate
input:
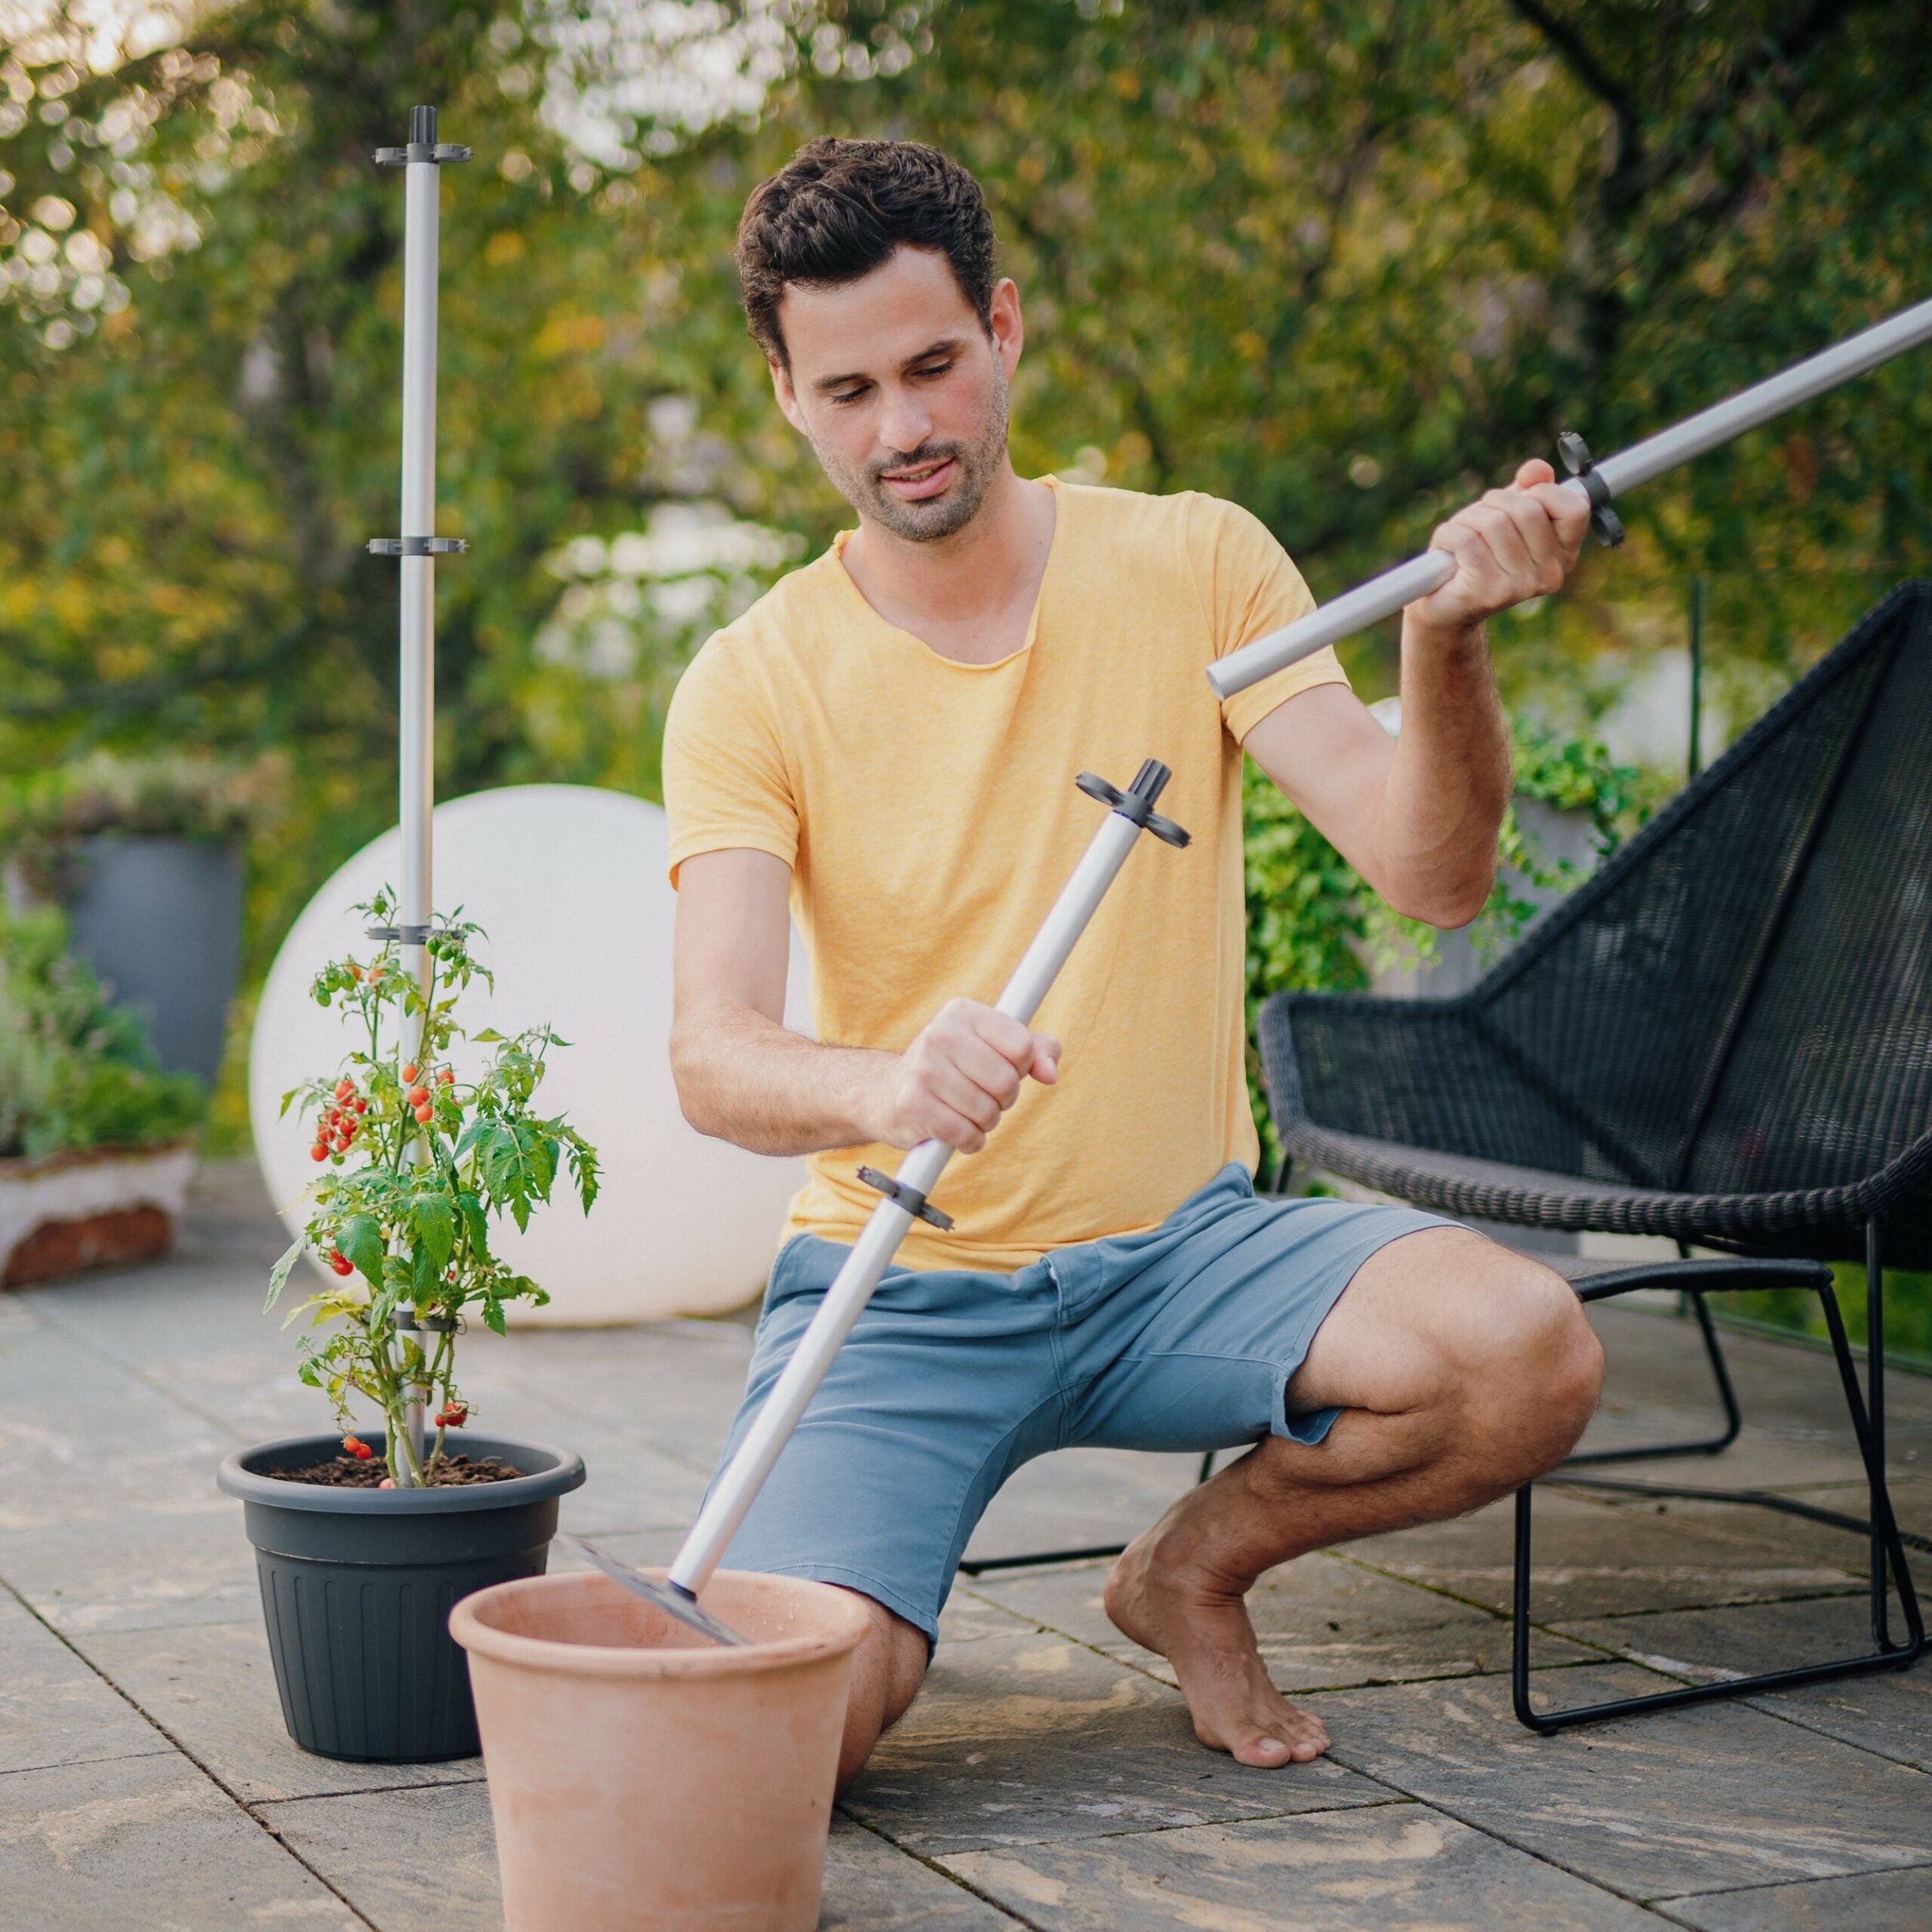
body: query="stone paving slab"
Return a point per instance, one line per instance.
(212, 1687)
(1081, 1498)
(1017, 1738)
(1045, 1751)
(142, 1570)
(1716, 1797)
(870, 1886)
(424, 1861)
(1889, 1712)
(418, 1860)
(1874, 1902)
(1795, 1538)
(1323, 1622)
(1391, 1866)
(1594, 1558)
(147, 1844)
(54, 1710)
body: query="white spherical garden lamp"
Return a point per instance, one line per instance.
(568, 884)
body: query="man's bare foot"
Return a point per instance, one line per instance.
(1202, 1629)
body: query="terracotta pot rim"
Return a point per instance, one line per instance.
(604, 1660)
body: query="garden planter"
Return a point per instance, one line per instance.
(357, 1584)
(95, 1208)
(159, 919)
(640, 1776)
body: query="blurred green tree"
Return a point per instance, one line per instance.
(1343, 260)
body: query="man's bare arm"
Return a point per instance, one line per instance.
(1418, 817)
(743, 1075)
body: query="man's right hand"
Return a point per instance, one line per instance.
(958, 1076)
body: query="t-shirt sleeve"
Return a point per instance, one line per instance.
(1248, 588)
(726, 781)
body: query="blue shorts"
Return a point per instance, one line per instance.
(1182, 1337)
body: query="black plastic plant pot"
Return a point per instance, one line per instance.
(357, 1584)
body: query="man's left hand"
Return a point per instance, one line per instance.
(1514, 543)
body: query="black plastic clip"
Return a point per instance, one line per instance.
(910, 1198)
(441, 151)
(1578, 461)
(417, 547)
(402, 935)
(1136, 803)
(423, 145)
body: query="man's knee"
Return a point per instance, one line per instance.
(1538, 1366)
(887, 1669)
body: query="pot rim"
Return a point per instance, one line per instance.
(609, 1660)
(236, 1478)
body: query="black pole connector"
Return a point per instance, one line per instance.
(1136, 803)
(909, 1197)
(423, 145)
(1605, 521)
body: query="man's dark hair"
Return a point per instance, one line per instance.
(837, 209)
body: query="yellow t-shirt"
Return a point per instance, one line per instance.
(928, 812)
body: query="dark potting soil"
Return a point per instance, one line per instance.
(347, 1472)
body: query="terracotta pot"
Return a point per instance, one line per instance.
(641, 1777)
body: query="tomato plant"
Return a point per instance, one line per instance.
(418, 1165)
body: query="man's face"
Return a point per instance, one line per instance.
(899, 390)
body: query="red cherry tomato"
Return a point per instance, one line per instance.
(319, 1153)
(446, 1078)
(409, 1073)
(425, 1113)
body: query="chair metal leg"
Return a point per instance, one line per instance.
(1875, 1404)
(983, 1566)
(1887, 1547)
(1733, 1419)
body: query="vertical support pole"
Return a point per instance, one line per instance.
(422, 189)
(1695, 762)
(1874, 1411)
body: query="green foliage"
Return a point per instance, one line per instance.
(45, 815)
(416, 1171)
(76, 1072)
(1315, 925)
(1908, 1310)
(1343, 261)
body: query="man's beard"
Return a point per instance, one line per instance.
(975, 464)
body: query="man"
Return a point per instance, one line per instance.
(888, 741)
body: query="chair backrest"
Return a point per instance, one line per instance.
(1740, 1001)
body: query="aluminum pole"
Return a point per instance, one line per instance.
(737, 1489)
(421, 162)
(1722, 422)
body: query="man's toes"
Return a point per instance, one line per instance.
(1262, 1750)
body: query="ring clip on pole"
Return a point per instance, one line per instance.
(1130, 813)
(1604, 522)
(423, 145)
(1598, 479)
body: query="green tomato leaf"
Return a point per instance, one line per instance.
(362, 1241)
(432, 1220)
(279, 1274)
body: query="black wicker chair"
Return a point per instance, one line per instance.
(1724, 1037)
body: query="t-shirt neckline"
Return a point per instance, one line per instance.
(851, 588)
